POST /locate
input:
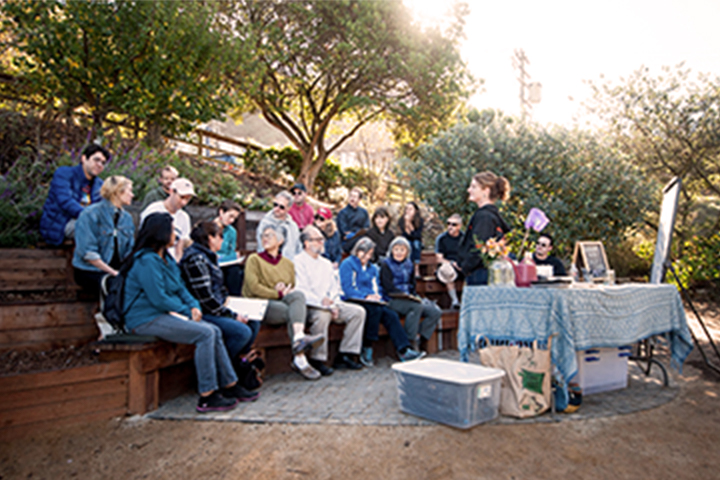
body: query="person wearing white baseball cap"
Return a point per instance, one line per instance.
(181, 192)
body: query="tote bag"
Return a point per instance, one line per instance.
(525, 390)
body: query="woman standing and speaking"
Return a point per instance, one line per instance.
(484, 190)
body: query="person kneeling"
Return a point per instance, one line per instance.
(156, 301)
(316, 278)
(398, 284)
(270, 276)
(359, 280)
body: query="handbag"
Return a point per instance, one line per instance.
(525, 389)
(249, 370)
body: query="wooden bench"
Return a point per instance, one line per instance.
(159, 370)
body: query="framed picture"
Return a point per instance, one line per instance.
(591, 256)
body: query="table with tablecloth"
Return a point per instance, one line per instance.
(580, 317)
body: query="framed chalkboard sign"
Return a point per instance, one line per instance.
(591, 256)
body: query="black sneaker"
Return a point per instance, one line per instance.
(240, 392)
(344, 360)
(324, 370)
(215, 402)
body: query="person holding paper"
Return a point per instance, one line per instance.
(227, 213)
(204, 280)
(359, 280)
(397, 280)
(271, 276)
(158, 304)
(317, 279)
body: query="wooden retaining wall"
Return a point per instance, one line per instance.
(37, 401)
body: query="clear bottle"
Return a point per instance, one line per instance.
(574, 273)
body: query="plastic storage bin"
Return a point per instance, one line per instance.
(602, 369)
(458, 394)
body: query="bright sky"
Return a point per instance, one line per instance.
(568, 41)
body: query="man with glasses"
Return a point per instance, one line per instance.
(352, 221)
(315, 277)
(279, 219)
(301, 211)
(542, 256)
(71, 190)
(181, 192)
(447, 247)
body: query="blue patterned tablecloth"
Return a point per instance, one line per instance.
(582, 318)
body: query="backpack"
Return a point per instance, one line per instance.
(112, 294)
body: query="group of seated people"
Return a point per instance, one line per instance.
(176, 289)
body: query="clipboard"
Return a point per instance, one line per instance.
(365, 300)
(238, 261)
(253, 308)
(405, 296)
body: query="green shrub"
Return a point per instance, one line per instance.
(586, 191)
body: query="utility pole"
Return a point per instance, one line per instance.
(529, 91)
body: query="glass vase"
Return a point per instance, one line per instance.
(501, 273)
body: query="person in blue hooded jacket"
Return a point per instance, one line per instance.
(72, 189)
(397, 279)
(359, 281)
(157, 303)
(104, 235)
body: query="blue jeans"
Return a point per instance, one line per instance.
(477, 277)
(212, 364)
(377, 314)
(237, 335)
(416, 251)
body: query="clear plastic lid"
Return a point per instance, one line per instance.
(449, 370)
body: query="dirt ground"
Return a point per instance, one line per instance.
(677, 440)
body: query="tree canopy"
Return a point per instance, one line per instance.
(586, 191)
(669, 125)
(304, 64)
(156, 63)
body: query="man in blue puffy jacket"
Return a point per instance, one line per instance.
(71, 190)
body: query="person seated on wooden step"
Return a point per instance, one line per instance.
(397, 280)
(271, 276)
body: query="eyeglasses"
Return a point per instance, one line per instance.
(453, 224)
(278, 205)
(316, 239)
(319, 218)
(297, 192)
(543, 244)
(187, 198)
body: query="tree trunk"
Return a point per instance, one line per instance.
(154, 136)
(310, 169)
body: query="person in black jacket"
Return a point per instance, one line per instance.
(411, 227)
(380, 233)
(485, 188)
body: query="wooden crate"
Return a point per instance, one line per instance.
(37, 401)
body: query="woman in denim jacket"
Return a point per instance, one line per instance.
(104, 235)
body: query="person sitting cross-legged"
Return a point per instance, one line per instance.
(154, 297)
(359, 280)
(271, 276)
(398, 285)
(447, 253)
(316, 278)
(204, 280)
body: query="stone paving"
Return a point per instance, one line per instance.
(369, 397)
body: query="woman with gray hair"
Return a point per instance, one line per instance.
(397, 280)
(270, 276)
(359, 280)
